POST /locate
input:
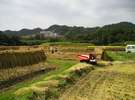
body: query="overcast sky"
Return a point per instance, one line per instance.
(18, 14)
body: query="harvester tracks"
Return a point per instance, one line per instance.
(103, 85)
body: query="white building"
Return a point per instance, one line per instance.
(48, 34)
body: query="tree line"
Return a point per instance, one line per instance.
(9, 40)
(118, 33)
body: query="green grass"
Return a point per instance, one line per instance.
(130, 42)
(120, 55)
(65, 65)
(33, 41)
(61, 64)
(67, 44)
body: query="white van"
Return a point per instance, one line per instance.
(130, 48)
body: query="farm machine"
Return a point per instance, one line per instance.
(90, 58)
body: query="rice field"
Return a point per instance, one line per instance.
(24, 90)
(115, 82)
(119, 56)
(19, 63)
(71, 80)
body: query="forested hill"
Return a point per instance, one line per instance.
(108, 34)
(9, 40)
(113, 33)
(116, 33)
(23, 31)
(75, 30)
(122, 27)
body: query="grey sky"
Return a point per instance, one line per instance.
(17, 14)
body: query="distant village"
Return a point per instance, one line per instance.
(47, 34)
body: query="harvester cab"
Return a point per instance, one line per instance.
(90, 58)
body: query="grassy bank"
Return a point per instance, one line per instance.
(119, 56)
(19, 64)
(61, 66)
(54, 85)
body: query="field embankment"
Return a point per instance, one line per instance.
(25, 90)
(19, 64)
(53, 85)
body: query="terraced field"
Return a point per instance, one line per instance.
(115, 82)
(72, 80)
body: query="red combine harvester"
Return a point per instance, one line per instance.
(91, 58)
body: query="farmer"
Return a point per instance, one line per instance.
(56, 49)
(51, 49)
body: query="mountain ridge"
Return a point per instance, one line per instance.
(64, 29)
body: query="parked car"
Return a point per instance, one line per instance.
(130, 48)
